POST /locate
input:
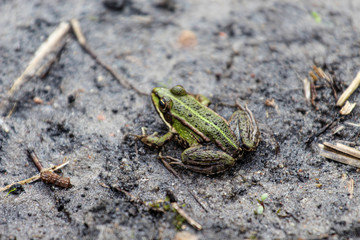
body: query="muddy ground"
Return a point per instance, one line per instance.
(252, 51)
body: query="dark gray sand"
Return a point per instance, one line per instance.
(252, 51)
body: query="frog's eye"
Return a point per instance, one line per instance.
(178, 90)
(162, 103)
(165, 104)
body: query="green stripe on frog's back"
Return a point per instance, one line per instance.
(204, 121)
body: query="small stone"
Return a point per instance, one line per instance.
(114, 4)
(187, 39)
(71, 98)
(38, 100)
(185, 236)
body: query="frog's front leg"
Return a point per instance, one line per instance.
(154, 140)
(204, 160)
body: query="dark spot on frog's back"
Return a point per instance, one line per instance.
(179, 108)
(190, 115)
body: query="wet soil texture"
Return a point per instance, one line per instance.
(257, 52)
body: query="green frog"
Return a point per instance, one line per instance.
(212, 143)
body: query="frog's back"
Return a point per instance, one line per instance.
(205, 122)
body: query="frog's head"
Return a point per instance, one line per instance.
(163, 100)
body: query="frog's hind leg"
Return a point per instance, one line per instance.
(245, 128)
(206, 160)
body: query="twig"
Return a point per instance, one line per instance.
(313, 94)
(45, 68)
(352, 124)
(307, 89)
(352, 87)
(320, 131)
(35, 159)
(172, 170)
(49, 46)
(11, 110)
(49, 176)
(129, 195)
(82, 41)
(182, 213)
(329, 80)
(35, 177)
(347, 108)
(344, 149)
(340, 153)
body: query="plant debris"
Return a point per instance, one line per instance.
(46, 175)
(347, 108)
(51, 46)
(340, 153)
(82, 41)
(352, 87)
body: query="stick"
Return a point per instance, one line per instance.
(49, 46)
(35, 177)
(182, 213)
(352, 124)
(82, 41)
(347, 108)
(330, 153)
(49, 176)
(170, 169)
(344, 149)
(352, 87)
(307, 90)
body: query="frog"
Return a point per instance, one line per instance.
(212, 144)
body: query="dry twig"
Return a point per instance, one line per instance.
(49, 176)
(35, 177)
(352, 124)
(82, 41)
(321, 131)
(307, 89)
(352, 87)
(53, 44)
(347, 108)
(172, 170)
(340, 153)
(182, 213)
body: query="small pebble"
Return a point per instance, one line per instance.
(185, 236)
(114, 4)
(187, 39)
